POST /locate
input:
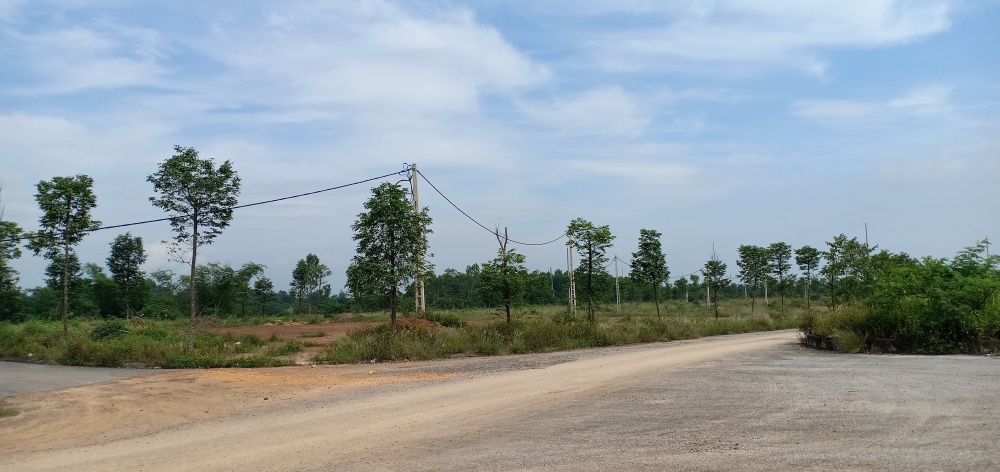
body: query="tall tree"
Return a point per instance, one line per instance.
(505, 276)
(780, 253)
(807, 258)
(848, 269)
(10, 295)
(125, 263)
(715, 279)
(66, 203)
(754, 267)
(307, 280)
(649, 265)
(244, 275)
(391, 245)
(591, 242)
(199, 198)
(263, 292)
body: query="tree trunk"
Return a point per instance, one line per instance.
(393, 299)
(194, 265)
(656, 299)
(65, 294)
(807, 290)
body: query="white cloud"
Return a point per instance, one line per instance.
(659, 173)
(919, 102)
(372, 58)
(104, 56)
(603, 111)
(771, 32)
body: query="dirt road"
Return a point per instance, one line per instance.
(743, 402)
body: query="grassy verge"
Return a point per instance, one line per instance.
(6, 411)
(382, 343)
(161, 343)
(134, 343)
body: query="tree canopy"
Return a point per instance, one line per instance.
(66, 203)
(199, 197)
(391, 246)
(591, 242)
(649, 264)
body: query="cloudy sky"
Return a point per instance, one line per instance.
(713, 122)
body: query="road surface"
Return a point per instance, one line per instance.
(744, 402)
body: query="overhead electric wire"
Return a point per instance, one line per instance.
(477, 222)
(273, 200)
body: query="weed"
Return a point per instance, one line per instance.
(6, 411)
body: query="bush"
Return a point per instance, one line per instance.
(111, 328)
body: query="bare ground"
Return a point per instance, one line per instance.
(745, 402)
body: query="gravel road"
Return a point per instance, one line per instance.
(745, 402)
(18, 377)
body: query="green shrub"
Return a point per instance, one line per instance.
(110, 328)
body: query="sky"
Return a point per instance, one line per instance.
(716, 123)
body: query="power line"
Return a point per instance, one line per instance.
(478, 223)
(273, 200)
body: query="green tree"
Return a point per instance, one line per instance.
(391, 245)
(263, 293)
(10, 294)
(307, 280)
(649, 265)
(591, 242)
(848, 270)
(505, 276)
(781, 254)
(715, 279)
(125, 263)
(66, 203)
(244, 275)
(807, 258)
(754, 267)
(199, 198)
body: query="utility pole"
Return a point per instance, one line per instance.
(572, 283)
(618, 295)
(418, 282)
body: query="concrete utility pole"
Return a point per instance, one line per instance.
(572, 283)
(418, 282)
(618, 294)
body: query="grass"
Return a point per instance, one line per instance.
(536, 332)
(6, 411)
(161, 343)
(134, 343)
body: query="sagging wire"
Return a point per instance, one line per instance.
(247, 205)
(492, 232)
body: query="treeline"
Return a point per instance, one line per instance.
(224, 290)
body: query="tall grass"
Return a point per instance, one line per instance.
(383, 343)
(135, 343)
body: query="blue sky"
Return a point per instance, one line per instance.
(713, 122)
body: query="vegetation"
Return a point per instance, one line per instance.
(199, 198)
(65, 203)
(505, 276)
(930, 306)
(392, 246)
(715, 279)
(807, 258)
(591, 242)
(125, 261)
(307, 281)
(383, 343)
(754, 267)
(649, 265)
(865, 300)
(10, 296)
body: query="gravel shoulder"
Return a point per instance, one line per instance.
(744, 402)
